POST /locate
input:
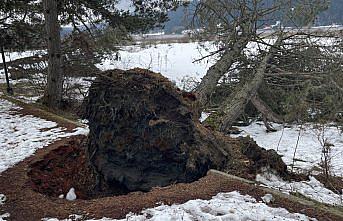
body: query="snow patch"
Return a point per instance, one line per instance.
(223, 206)
(312, 189)
(2, 199)
(204, 116)
(4, 217)
(268, 198)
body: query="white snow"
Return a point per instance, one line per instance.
(307, 157)
(309, 150)
(71, 194)
(174, 61)
(21, 136)
(224, 206)
(204, 116)
(312, 189)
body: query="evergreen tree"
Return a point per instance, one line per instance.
(88, 14)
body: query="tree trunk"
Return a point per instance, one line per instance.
(53, 92)
(213, 75)
(9, 88)
(265, 110)
(232, 108)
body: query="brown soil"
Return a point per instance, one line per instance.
(61, 169)
(333, 183)
(24, 203)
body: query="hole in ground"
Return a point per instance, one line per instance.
(66, 167)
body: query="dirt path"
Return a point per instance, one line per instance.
(39, 111)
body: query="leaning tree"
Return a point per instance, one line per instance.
(247, 54)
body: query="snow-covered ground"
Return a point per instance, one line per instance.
(308, 150)
(174, 61)
(224, 206)
(21, 136)
(307, 157)
(312, 189)
(4, 217)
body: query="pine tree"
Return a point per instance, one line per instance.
(81, 14)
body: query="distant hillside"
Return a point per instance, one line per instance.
(333, 15)
(178, 19)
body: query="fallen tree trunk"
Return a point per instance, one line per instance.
(145, 133)
(233, 107)
(265, 110)
(210, 80)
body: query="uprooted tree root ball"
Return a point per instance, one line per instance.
(144, 132)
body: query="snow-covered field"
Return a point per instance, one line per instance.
(162, 58)
(224, 206)
(174, 61)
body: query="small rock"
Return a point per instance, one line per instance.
(71, 194)
(61, 196)
(268, 198)
(2, 199)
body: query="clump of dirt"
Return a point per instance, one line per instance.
(64, 168)
(333, 183)
(262, 158)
